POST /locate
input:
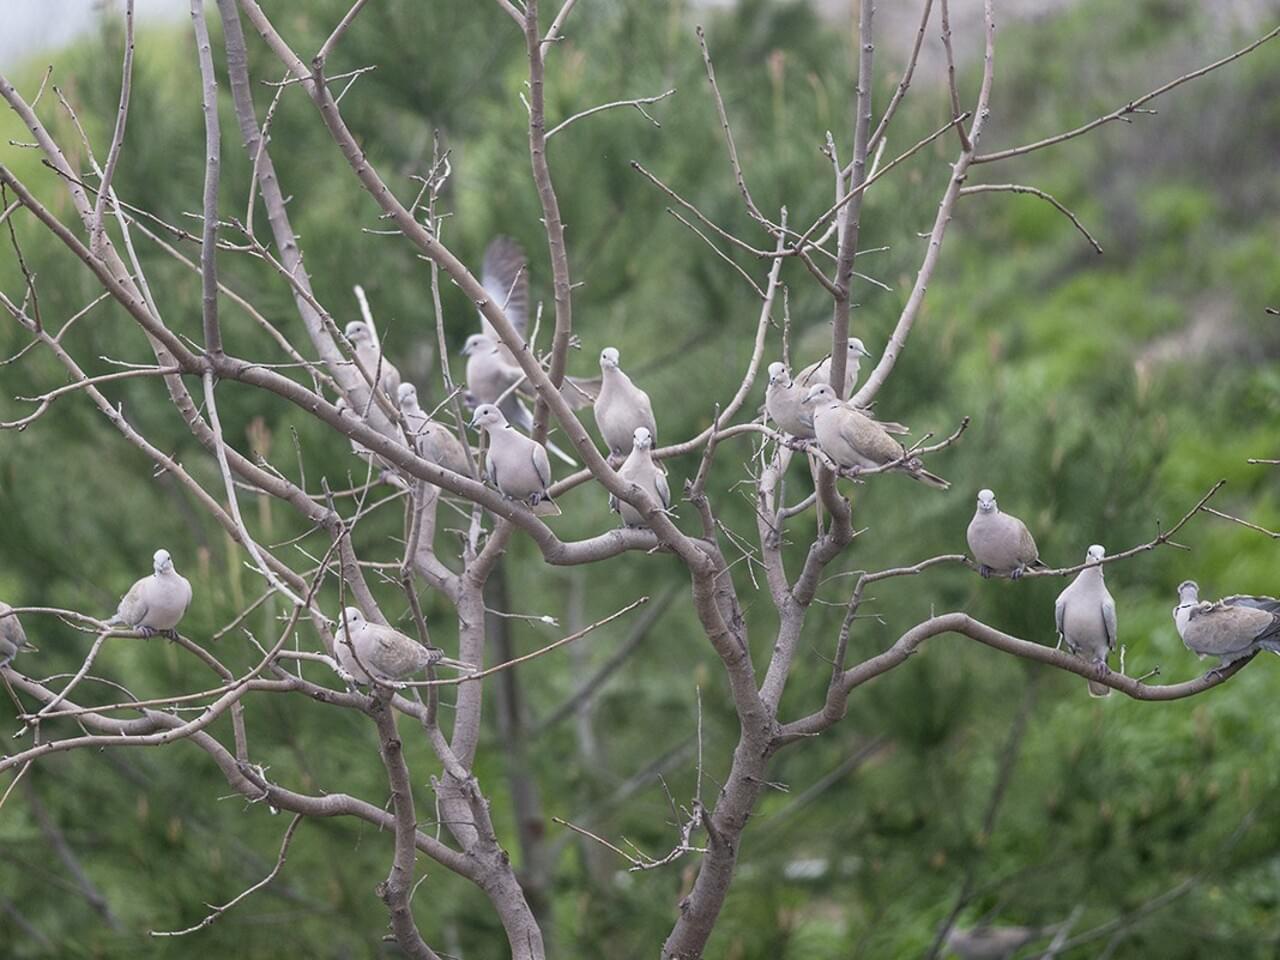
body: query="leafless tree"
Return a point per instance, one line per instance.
(194, 375)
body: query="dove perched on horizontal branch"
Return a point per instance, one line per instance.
(13, 639)
(1085, 616)
(621, 406)
(515, 464)
(157, 603)
(1232, 628)
(1000, 542)
(642, 470)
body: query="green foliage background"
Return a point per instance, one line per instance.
(1107, 394)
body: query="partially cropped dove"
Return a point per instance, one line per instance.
(1000, 543)
(368, 349)
(515, 464)
(642, 470)
(13, 639)
(820, 372)
(489, 377)
(621, 406)
(433, 440)
(157, 603)
(1085, 616)
(856, 442)
(363, 648)
(1232, 628)
(505, 278)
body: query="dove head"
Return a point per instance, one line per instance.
(1189, 591)
(358, 332)
(609, 358)
(642, 439)
(778, 373)
(486, 416)
(475, 343)
(162, 562)
(986, 502)
(1095, 553)
(352, 616)
(821, 393)
(407, 395)
(857, 349)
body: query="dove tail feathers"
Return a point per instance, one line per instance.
(545, 508)
(1098, 690)
(932, 479)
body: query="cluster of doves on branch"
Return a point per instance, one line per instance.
(805, 408)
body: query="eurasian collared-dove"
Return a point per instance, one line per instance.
(489, 376)
(13, 639)
(1233, 628)
(368, 349)
(1000, 543)
(641, 469)
(505, 278)
(856, 442)
(515, 464)
(992, 942)
(433, 441)
(1085, 615)
(155, 604)
(363, 648)
(820, 372)
(621, 406)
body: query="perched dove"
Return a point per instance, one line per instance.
(992, 942)
(642, 470)
(1085, 615)
(999, 542)
(13, 639)
(363, 648)
(515, 464)
(856, 442)
(1233, 628)
(489, 377)
(433, 441)
(820, 372)
(368, 349)
(621, 406)
(156, 603)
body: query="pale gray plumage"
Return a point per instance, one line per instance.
(784, 401)
(621, 406)
(13, 639)
(433, 441)
(991, 942)
(856, 442)
(1000, 543)
(642, 470)
(505, 278)
(515, 464)
(490, 376)
(1232, 628)
(368, 350)
(1085, 616)
(157, 603)
(820, 372)
(363, 648)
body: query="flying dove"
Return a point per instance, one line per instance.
(363, 648)
(505, 278)
(13, 639)
(433, 441)
(155, 604)
(515, 464)
(1233, 628)
(489, 377)
(368, 349)
(621, 406)
(1085, 615)
(856, 442)
(992, 942)
(820, 372)
(642, 470)
(999, 542)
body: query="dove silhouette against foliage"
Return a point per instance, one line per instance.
(1000, 543)
(157, 603)
(1085, 616)
(13, 639)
